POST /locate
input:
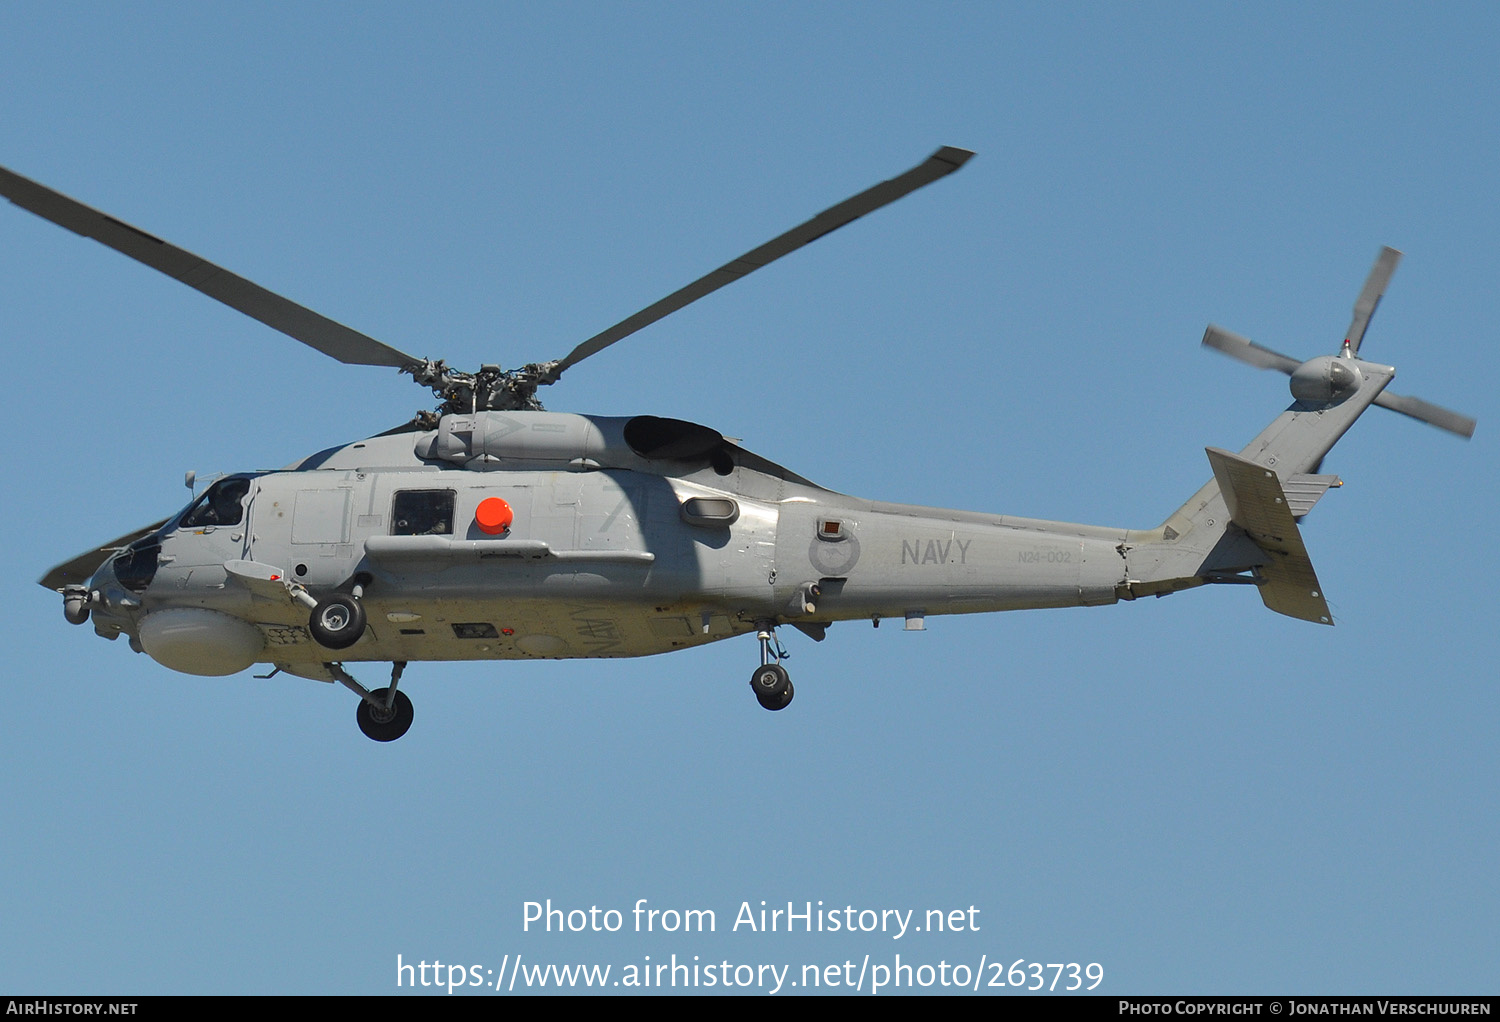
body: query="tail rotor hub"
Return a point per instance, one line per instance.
(1326, 380)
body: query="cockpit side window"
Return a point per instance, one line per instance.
(221, 504)
(422, 513)
(135, 566)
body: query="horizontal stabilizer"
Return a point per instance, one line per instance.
(1303, 491)
(1258, 505)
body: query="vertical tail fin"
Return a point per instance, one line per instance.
(1258, 505)
(1242, 525)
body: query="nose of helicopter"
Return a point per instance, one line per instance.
(112, 590)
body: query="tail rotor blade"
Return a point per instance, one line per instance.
(1431, 414)
(1369, 297)
(1246, 350)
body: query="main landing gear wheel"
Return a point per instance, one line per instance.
(772, 686)
(337, 622)
(384, 725)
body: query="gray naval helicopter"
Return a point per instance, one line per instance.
(491, 529)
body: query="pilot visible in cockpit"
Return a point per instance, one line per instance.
(221, 505)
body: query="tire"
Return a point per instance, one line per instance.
(772, 686)
(385, 730)
(337, 622)
(774, 703)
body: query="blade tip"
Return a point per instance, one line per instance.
(953, 155)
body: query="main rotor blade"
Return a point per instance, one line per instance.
(1370, 295)
(941, 163)
(1246, 350)
(1431, 414)
(273, 310)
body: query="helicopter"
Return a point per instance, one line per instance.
(489, 528)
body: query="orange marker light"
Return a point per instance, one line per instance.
(493, 516)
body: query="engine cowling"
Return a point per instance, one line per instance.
(489, 440)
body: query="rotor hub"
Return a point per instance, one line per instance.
(491, 389)
(1326, 380)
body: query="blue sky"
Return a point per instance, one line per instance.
(1197, 794)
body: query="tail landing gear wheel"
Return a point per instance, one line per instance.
(337, 622)
(772, 686)
(772, 703)
(381, 724)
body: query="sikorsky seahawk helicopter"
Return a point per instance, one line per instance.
(491, 529)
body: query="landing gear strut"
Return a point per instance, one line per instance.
(385, 714)
(770, 682)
